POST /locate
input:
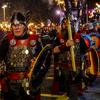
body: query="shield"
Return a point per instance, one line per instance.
(91, 64)
(40, 66)
(90, 41)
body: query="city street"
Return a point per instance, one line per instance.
(91, 93)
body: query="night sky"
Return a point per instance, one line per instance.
(40, 9)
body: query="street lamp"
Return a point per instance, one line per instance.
(4, 13)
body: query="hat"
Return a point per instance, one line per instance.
(18, 18)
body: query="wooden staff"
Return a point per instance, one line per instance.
(72, 47)
(68, 12)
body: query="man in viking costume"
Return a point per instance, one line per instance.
(17, 50)
(64, 76)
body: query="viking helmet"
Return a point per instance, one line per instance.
(18, 18)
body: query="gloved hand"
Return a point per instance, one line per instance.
(69, 43)
(56, 49)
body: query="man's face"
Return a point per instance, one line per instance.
(18, 29)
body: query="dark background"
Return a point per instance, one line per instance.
(40, 10)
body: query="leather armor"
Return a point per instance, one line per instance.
(18, 62)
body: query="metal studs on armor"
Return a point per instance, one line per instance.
(33, 50)
(12, 42)
(32, 42)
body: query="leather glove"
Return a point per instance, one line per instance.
(56, 49)
(69, 43)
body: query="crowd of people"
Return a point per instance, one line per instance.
(18, 49)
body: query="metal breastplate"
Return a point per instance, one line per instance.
(19, 58)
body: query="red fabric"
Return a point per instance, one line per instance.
(55, 87)
(17, 75)
(18, 42)
(80, 90)
(37, 96)
(60, 36)
(3, 85)
(10, 35)
(33, 37)
(77, 35)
